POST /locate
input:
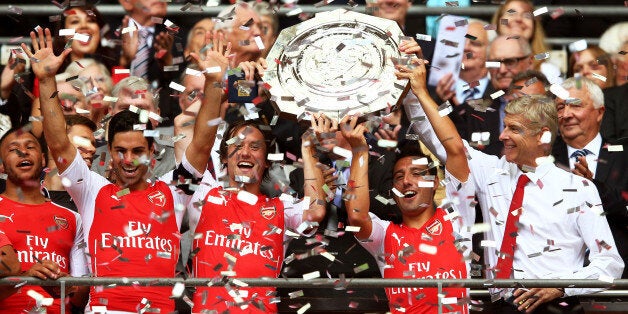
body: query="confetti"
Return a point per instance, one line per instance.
(304, 308)
(546, 137)
(67, 32)
(557, 13)
(540, 11)
(559, 91)
(423, 37)
(598, 76)
(312, 275)
(578, 46)
(615, 148)
(542, 56)
(428, 249)
(176, 86)
(497, 94)
(247, 197)
(493, 64)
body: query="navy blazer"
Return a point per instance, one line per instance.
(611, 180)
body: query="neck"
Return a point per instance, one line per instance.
(145, 21)
(419, 220)
(473, 74)
(580, 142)
(23, 194)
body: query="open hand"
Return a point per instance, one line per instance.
(217, 55)
(43, 61)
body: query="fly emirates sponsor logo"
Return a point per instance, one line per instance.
(38, 250)
(422, 271)
(137, 236)
(236, 241)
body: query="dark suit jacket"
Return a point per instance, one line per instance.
(614, 126)
(611, 179)
(348, 252)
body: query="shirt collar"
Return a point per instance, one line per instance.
(593, 146)
(462, 86)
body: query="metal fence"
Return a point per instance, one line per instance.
(613, 288)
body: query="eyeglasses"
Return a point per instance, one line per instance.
(510, 62)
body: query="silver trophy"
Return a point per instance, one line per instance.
(339, 62)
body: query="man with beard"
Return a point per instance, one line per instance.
(132, 225)
(50, 249)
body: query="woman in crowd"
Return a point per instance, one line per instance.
(516, 18)
(594, 64)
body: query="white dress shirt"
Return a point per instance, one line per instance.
(461, 86)
(594, 147)
(560, 218)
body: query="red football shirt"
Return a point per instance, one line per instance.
(237, 239)
(41, 232)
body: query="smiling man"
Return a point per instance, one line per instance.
(530, 204)
(48, 249)
(131, 226)
(239, 231)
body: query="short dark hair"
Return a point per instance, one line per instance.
(76, 119)
(231, 132)
(21, 129)
(528, 74)
(411, 149)
(124, 121)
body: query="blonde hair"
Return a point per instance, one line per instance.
(537, 42)
(539, 110)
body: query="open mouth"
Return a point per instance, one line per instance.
(25, 164)
(245, 165)
(409, 194)
(129, 171)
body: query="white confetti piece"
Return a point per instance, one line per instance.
(81, 141)
(599, 77)
(480, 136)
(578, 46)
(129, 29)
(215, 200)
(99, 309)
(450, 300)
(386, 143)
(215, 69)
(615, 148)
(382, 199)
(559, 91)
(151, 133)
(81, 111)
(396, 192)
(304, 308)
(328, 256)
(259, 42)
(420, 161)
(275, 157)
(497, 94)
(67, 32)
(294, 12)
(541, 56)
(168, 23)
(312, 275)
(345, 153)
(155, 116)
(428, 249)
(423, 37)
(121, 71)
(488, 243)
(81, 37)
(426, 184)
(110, 99)
(352, 228)
(178, 289)
(546, 137)
(228, 273)
(214, 122)
(247, 197)
(39, 298)
(540, 11)
(493, 64)
(176, 86)
(193, 72)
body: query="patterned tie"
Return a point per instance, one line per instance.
(470, 94)
(507, 250)
(139, 66)
(580, 153)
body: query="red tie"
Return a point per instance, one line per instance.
(507, 251)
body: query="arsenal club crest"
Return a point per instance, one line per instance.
(268, 212)
(61, 222)
(435, 228)
(158, 198)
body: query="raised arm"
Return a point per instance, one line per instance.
(358, 199)
(443, 127)
(214, 64)
(313, 180)
(45, 66)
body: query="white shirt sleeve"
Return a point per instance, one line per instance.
(375, 242)
(84, 187)
(293, 211)
(78, 259)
